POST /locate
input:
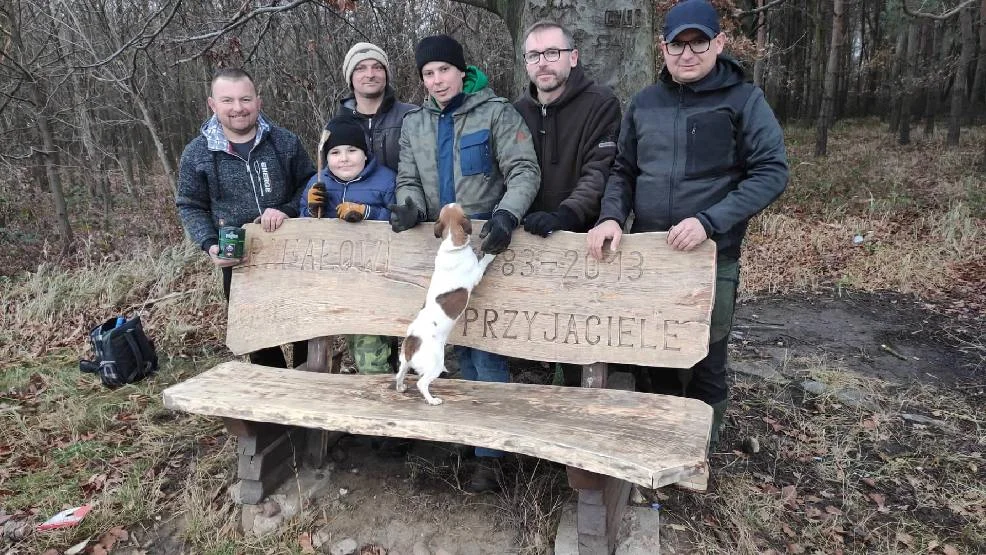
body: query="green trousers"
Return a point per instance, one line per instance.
(371, 353)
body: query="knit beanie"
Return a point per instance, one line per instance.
(439, 48)
(345, 131)
(359, 52)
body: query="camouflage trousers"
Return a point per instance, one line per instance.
(370, 352)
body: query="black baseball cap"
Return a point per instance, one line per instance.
(691, 14)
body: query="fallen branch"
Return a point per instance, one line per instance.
(890, 350)
(150, 302)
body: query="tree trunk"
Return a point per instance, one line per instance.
(977, 99)
(615, 38)
(825, 112)
(907, 100)
(897, 79)
(932, 89)
(960, 85)
(158, 145)
(50, 156)
(761, 62)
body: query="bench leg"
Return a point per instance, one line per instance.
(267, 455)
(321, 359)
(602, 499)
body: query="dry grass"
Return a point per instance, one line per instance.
(920, 209)
(832, 477)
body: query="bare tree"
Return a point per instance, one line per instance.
(960, 83)
(831, 69)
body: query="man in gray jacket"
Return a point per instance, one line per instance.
(700, 153)
(240, 168)
(374, 105)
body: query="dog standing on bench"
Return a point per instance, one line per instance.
(457, 272)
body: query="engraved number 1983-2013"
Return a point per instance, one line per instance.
(573, 264)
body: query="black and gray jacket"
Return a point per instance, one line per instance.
(383, 129)
(215, 184)
(710, 149)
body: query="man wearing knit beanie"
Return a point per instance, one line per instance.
(374, 104)
(466, 145)
(375, 108)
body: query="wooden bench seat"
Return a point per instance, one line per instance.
(650, 440)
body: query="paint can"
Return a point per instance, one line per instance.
(231, 241)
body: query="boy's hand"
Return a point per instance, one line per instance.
(316, 198)
(351, 211)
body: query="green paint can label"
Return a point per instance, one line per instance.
(231, 241)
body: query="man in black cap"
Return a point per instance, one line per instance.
(465, 145)
(700, 153)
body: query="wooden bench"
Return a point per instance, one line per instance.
(543, 299)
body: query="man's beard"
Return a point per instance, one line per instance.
(553, 86)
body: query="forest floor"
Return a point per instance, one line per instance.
(855, 423)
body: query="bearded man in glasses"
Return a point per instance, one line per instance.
(700, 153)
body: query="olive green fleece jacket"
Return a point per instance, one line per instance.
(494, 163)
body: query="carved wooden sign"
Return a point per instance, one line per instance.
(542, 299)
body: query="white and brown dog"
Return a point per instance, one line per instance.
(457, 272)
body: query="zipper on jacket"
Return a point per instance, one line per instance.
(542, 132)
(253, 185)
(674, 160)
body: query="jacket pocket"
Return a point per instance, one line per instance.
(474, 153)
(711, 144)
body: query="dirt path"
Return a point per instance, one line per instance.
(886, 336)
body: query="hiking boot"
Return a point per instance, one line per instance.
(484, 478)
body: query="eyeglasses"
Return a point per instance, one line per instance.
(550, 55)
(698, 46)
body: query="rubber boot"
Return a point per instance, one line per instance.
(718, 415)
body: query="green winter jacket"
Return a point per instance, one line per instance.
(495, 166)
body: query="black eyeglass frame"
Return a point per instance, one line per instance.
(531, 60)
(689, 44)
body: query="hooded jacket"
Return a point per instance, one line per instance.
(712, 150)
(383, 129)
(575, 140)
(487, 155)
(374, 187)
(216, 185)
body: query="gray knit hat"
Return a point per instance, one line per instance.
(359, 52)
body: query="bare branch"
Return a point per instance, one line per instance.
(242, 18)
(146, 38)
(936, 17)
(488, 5)
(754, 11)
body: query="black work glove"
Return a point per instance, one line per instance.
(497, 231)
(543, 223)
(403, 216)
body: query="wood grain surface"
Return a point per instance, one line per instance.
(651, 440)
(542, 299)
